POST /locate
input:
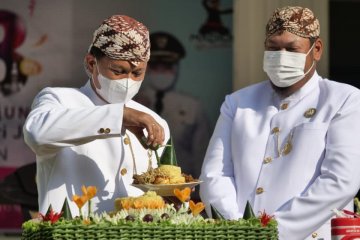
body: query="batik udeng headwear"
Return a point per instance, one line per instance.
(123, 38)
(297, 20)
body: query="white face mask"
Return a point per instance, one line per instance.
(160, 81)
(117, 90)
(285, 68)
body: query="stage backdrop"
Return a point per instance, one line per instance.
(42, 43)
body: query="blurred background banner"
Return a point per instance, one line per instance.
(34, 52)
(35, 43)
(43, 43)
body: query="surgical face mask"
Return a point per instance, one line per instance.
(117, 90)
(161, 81)
(285, 68)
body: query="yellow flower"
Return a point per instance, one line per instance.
(89, 191)
(79, 200)
(196, 208)
(182, 195)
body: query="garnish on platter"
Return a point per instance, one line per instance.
(151, 207)
(51, 216)
(165, 189)
(166, 177)
(153, 204)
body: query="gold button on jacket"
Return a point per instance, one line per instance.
(104, 130)
(123, 171)
(259, 190)
(126, 141)
(275, 130)
(310, 112)
(284, 106)
(267, 160)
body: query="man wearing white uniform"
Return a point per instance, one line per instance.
(89, 136)
(289, 145)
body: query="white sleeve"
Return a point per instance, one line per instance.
(337, 183)
(218, 187)
(51, 125)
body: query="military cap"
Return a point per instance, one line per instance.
(165, 48)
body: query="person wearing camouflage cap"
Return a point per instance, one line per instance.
(284, 145)
(97, 135)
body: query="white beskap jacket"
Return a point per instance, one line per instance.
(79, 140)
(246, 160)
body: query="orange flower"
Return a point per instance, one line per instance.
(89, 191)
(125, 204)
(182, 195)
(138, 204)
(196, 208)
(80, 200)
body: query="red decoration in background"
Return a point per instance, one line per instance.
(32, 7)
(11, 217)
